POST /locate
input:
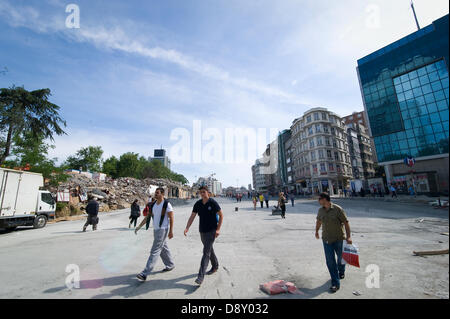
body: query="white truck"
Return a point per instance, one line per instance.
(22, 203)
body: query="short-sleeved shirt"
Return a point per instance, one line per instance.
(92, 208)
(157, 211)
(207, 214)
(332, 223)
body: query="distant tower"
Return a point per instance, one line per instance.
(415, 16)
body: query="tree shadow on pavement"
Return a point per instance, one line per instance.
(131, 287)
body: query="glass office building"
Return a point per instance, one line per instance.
(405, 91)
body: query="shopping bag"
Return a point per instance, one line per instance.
(350, 254)
(278, 287)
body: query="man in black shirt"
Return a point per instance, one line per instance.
(92, 211)
(211, 218)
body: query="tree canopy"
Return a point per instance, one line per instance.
(25, 112)
(87, 158)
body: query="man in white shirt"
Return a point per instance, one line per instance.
(162, 213)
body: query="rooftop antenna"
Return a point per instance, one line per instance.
(415, 16)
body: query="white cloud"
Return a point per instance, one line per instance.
(116, 38)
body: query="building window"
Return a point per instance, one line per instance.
(319, 141)
(311, 143)
(318, 128)
(308, 119)
(321, 154)
(323, 168)
(334, 143)
(310, 131)
(313, 156)
(331, 167)
(327, 141)
(329, 154)
(316, 116)
(324, 116)
(336, 156)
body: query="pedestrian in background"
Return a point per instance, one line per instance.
(207, 210)
(393, 190)
(282, 204)
(292, 197)
(261, 200)
(92, 211)
(266, 199)
(135, 213)
(254, 202)
(333, 219)
(411, 191)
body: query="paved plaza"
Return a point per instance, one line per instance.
(254, 247)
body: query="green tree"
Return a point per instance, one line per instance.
(30, 149)
(23, 111)
(110, 167)
(87, 158)
(128, 165)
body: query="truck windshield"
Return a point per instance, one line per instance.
(47, 198)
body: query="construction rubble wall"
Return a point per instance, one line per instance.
(113, 194)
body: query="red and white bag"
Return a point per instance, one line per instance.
(350, 254)
(280, 286)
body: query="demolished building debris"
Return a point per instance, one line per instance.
(113, 194)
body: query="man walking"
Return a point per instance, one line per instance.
(393, 190)
(207, 209)
(333, 219)
(162, 212)
(92, 211)
(261, 200)
(266, 199)
(282, 204)
(135, 213)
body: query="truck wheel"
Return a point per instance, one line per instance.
(40, 221)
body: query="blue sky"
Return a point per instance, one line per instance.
(136, 70)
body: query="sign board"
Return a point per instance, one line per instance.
(63, 196)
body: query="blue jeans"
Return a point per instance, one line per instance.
(335, 268)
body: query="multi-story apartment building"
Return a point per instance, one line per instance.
(361, 123)
(367, 151)
(290, 169)
(354, 151)
(258, 176)
(320, 152)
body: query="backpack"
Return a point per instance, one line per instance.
(150, 210)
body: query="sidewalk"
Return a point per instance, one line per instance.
(401, 198)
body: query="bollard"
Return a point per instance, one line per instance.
(236, 209)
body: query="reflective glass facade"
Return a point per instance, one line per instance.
(406, 94)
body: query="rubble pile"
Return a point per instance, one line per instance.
(113, 194)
